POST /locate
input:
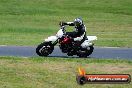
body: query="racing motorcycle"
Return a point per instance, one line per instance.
(66, 44)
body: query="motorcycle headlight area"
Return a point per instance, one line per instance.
(59, 34)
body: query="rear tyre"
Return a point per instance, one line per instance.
(84, 52)
(44, 49)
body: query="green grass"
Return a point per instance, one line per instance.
(48, 72)
(28, 22)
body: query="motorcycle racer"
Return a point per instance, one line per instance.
(79, 34)
(71, 43)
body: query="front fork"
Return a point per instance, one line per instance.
(54, 43)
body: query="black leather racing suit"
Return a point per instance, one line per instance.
(79, 34)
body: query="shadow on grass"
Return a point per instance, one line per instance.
(73, 57)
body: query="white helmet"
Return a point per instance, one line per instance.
(78, 22)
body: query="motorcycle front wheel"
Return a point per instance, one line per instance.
(44, 49)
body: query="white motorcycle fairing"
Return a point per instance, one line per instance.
(51, 39)
(60, 33)
(54, 38)
(88, 42)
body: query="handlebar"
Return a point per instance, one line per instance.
(62, 23)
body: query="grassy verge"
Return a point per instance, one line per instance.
(25, 22)
(57, 72)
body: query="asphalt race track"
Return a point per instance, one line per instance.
(99, 52)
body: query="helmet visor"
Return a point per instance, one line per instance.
(77, 23)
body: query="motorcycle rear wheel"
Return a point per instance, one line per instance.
(83, 53)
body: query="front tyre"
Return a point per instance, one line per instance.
(84, 52)
(44, 49)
